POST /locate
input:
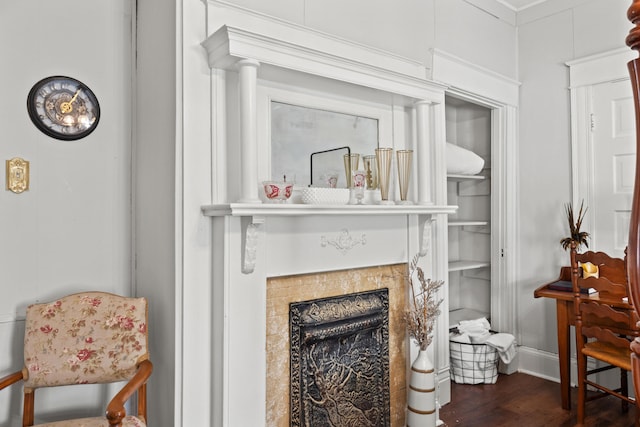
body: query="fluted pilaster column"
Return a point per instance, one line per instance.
(248, 75)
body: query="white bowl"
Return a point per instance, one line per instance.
(324, 196)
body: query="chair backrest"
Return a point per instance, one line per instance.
(84, 338)
(598, 318)
(611, 279)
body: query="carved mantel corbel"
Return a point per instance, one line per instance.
(251, 230)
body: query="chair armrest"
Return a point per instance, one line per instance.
(10, 379)
(115, 409)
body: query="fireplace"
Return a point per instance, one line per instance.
(294, 260)
(351, 314)
(266, 256)
(340, 360)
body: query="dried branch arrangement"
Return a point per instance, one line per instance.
(424, 307)
(577, 236)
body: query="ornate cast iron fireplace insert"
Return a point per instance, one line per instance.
(340, 361)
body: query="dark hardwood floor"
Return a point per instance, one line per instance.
(526, 401)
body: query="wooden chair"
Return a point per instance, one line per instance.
(605, 326)
(87, 338)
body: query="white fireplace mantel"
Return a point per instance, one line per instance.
(254, 241)
(258, 212)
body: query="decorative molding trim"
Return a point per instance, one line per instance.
(501, 94)
(603, 67)
(474, 80)
(584, 74)
(344, 242)
(302, 49)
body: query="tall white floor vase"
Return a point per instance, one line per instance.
(421, 402)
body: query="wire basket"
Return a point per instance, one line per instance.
(473, 363)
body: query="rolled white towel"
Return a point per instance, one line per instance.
(475, 324)
(462, 161)
(477, 330)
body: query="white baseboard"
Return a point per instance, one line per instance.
(542, 364)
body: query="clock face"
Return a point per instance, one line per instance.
(63, 108)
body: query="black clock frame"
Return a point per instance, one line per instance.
(35, 118)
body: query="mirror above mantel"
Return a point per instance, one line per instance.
(308, 144)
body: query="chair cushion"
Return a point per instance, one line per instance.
(90, 337)
(128, 421)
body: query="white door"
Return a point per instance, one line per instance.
(613, 166)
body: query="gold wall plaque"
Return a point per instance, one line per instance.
(17, 175)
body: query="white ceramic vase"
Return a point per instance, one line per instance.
(421, 402)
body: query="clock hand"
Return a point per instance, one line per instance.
(66, 107)
(75, 95)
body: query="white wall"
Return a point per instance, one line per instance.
(71, 230)
(154, 193)
(486, 38)
(549, 36)
(409, 28)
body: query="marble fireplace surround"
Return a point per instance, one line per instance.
(281, 291)
(256, 243)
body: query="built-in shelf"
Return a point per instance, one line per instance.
(465, 177)
(459, 314)
(463, 223)
(467, 265)
(472, 226)
(478, 273)
(293, 209)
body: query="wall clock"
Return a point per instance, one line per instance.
(63, 108)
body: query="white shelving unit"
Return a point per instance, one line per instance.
(468, 126)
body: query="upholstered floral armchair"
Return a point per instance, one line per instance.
(87, 338)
